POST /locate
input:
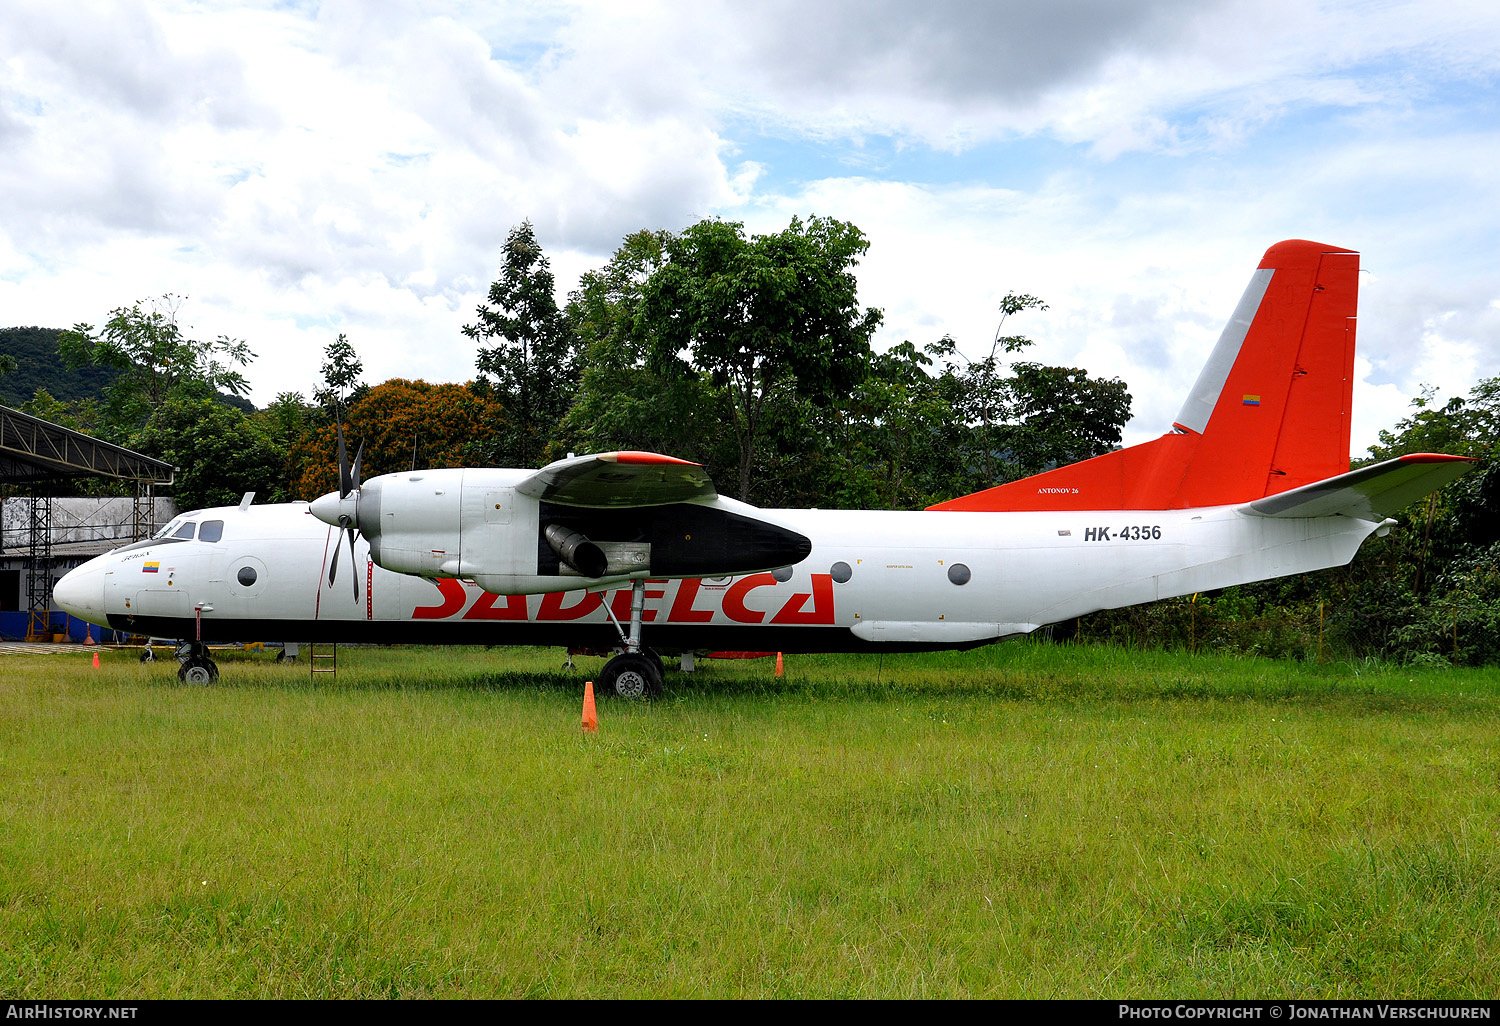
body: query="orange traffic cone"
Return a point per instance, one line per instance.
(590, 718)
(778, 664)
(96, 660)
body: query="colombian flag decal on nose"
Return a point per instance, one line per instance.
(1252, 400)
(150, 568)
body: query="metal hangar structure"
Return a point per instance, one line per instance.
(37, 456)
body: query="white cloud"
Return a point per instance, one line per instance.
(302, 171)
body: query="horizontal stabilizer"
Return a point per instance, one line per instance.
(1370, 493)
(619, 479)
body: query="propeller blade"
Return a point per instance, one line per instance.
(344, 482)
(333, 564)
(354, 473)
(353, 567)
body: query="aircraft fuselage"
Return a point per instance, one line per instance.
(874, 580)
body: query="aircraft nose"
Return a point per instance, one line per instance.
(81, 591)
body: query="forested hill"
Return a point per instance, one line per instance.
(39, 366)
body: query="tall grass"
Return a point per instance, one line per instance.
(1022, 820)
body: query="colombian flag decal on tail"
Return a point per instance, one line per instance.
(150, 568)
(1252, 400)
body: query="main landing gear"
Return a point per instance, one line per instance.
(196, 667)
(636, 672)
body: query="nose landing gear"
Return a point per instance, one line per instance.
(196, 667)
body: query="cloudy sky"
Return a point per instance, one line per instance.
(302, 169)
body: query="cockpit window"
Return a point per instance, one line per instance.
(211, 530)
(185, 531)
(172, 526)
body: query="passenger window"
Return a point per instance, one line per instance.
(185, 531)
(211, 531)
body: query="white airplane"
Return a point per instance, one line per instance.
(599, 551)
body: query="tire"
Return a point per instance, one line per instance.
(631, 675)
(655, 657)
(198, 671)
(148, 656)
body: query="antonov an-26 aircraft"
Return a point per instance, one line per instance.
(612, 550)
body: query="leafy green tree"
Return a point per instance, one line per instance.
(904, 430)
(760, 315)
(1459, 427)
(1451, 522)
(622, 402)
(80, 415)
(1060, 416)
(602, 312)
(985, 390)
(532, 367)
(341, 370)
(219, 452)
(155, 362)
(287, 421)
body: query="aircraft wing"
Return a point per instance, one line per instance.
(619, 479)
(1369, 493)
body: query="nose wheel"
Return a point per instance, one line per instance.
(636, 672)
(195, 665)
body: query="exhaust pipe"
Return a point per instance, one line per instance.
(576, 551)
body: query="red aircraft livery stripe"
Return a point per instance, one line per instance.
(690, 604)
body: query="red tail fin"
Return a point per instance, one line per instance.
(1269, 412)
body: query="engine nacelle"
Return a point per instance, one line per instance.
(474, 524)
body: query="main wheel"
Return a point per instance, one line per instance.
(198, 671)
(631, 675)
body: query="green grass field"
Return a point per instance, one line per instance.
(1026, 820)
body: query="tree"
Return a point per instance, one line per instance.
(341, 370)
(622, 402)
(532, 368)
(400, 424)
(985, 389)
(1061, 416)
(759, 314)
(902, 432)
(219, 452)
(80, 415)
(155, 362)
(288, 420)
(1452, 522)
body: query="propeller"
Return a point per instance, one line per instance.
(348, 482)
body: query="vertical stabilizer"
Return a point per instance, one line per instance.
(1269, 412)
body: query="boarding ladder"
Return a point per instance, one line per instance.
(324, 660)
